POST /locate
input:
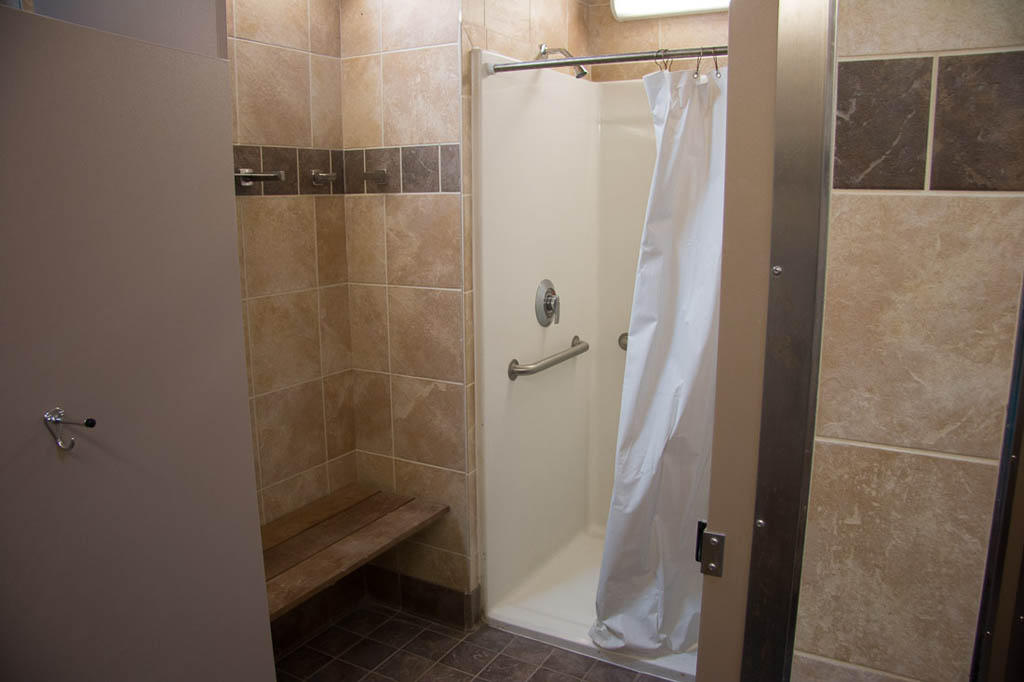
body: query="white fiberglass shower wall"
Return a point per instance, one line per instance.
(562, 172)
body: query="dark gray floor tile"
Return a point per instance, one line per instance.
(545, 675)
(432, 645)
(303, 662)
(568, 662)
(363, 621)
(648, 678)
(415, 620)
(334, 641)
(442, 673)
(367, 654)
(285, 677)
(404, 667)
(338, 671)
(396, 633)
(489, 638)
(505, 669)
(447, 630)
(528, 650)
(468, 658)
(606, 672)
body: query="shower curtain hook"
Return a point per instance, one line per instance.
(714, 56)
(696, 71)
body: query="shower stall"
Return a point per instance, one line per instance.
(562, 172)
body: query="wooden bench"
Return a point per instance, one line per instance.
(311, 548)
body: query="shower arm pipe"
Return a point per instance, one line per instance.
(577, 347)
(654, 55)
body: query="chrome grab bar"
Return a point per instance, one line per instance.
(578, 347)
(246, 176)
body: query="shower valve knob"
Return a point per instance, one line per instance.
(547, 305)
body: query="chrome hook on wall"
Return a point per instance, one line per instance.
(54, 420)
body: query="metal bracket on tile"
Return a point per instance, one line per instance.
(246, 176)
(379, 177)
(320, 178)
(710, 550)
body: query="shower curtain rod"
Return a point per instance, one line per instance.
(654, 55)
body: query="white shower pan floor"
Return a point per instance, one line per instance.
(556, 604)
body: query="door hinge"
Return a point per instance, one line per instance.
(710, 550)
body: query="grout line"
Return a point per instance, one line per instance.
(991, 194)
(285, 388)
(396, 51)
(973, 459)
(449, 382)
(930, 140)
(307, 290)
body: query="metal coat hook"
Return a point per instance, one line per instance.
(55, 421)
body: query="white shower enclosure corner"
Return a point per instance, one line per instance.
(561, 176)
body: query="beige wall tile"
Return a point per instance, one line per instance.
(549, 22)
(695, 30)
(326, 102)
(414, 23)
(376, 471)
(473, 12)
(473, 35)
(515, 48)
(293, 493)
(437, 485)
(467, 145)
(285, 340)
(920, 316)
(291, 431)
(335, 343)
(234, 90)
(886, 27)
(339, 414)
(577, 21)
(509, 17)
(325, 27)
(424, 240)
(467, 242)
(608, 36)
(281, 22)
(360, 27)
(280, 244)
(426, 333)
(434, 565)
(891, 576)
(421, 96)
(331, 240)
(229, 13)
(255, 444)
(365, 237)
(470, 339)
(239, 203)
(430, 422)
(471, 461)
(810, 669)
(248, 348)
(273, 95)
(342, 471)
(474, 519)
(369, 330)
(361, 111)
(371, 404)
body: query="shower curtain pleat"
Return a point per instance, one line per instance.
(648, 598)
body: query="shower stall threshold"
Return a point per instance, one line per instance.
(555, 604)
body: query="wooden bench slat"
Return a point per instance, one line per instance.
(297, 549)
(289, 525)
(318, 572)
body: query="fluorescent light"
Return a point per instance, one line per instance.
(626, 10)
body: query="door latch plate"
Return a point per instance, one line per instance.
(712, 553)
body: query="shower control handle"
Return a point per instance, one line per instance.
(547, 305)
(551, 305)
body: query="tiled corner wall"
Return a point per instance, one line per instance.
(925, 263)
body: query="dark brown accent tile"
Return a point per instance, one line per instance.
(420, 169)
(569, 662)
(468, 658)
(451, 168)
(505, 669)
(368, 654)
(431, 645)
(606, 672)
(528, 650)
(404, 667)
(442, 673)
(304, 662)
(338, 168)
(354, 166)
(882, 124)
(247, 157)
(489, 638)
(545, 675)
(396, 633)
(277, 159)
(310, 160)
(389, 160)
(338, 671)
(334, 641)
(362, 621)
(979, 123)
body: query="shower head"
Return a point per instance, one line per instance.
(545, 51)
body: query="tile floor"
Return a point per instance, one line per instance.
(378, 644)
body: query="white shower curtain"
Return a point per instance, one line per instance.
(648, 597)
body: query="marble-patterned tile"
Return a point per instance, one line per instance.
(248, 156)
(421, 169)
(280, 244)
(294, 492)
(313, 160)
(549, 22)
(414, 23)
(284, 339)
(361, 109)
(375, 471)
(867, 27)
(331, 240)
(434, 565)
(451, 172)
(979, 123)
(371, 402)
(430, 483)
(389, 160)
(290, 431)
(339, 414)
(424, 240)
(353, 167)
(326, 102)
(281, 22)
(608, 36)
(882, 124)
(273, 95)
(325, 27)
(369, 330)
(421, 96)
(360, 27)
(425, 327)
(891, 577)
(365, 238)
(281, 159)
(920, 316)
(335, 329)
(509, 17)
(708, 29)
(429, 418)
(578, 39)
